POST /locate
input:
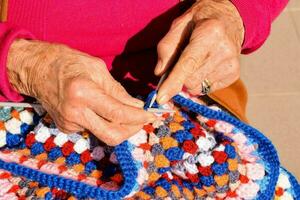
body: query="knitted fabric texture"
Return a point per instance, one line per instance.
(195, 152)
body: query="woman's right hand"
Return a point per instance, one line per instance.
(76, 89)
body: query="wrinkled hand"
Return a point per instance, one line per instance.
(76, 89)
(212, 33)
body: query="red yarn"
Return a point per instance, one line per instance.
(62, 168)
(5, 175)
(279, 191)
(23, 158)
(13, 189)
(231, 194)
(30, 140)
(193, 177)
(145, 146)
(197, 132)
(190, 146)
(85, 156)
(81, 177)
(220, 156)
(49, 144)
(67, 148)
(148, 128)
(41, 163)
(205, 171)
(211, 123)
(244, 179)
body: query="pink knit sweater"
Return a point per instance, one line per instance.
(124, 33)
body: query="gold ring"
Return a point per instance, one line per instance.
(206, 87)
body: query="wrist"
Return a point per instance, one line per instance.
(223, 11)
(28, 64)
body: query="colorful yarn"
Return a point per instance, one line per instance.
(194, 153)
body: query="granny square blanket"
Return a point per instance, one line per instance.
(194, 152)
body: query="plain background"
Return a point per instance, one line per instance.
(272, 76)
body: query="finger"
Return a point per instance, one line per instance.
(221, 76)
(109, 133)
(114, 110)
(67, 127)
(231, 74)
(169, 46)
(105, 80)
(192, 58)
(194, 82)
(116, 90)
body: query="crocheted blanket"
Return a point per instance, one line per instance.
(195, 152)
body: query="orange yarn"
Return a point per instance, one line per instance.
(41, 192)
(188, 194)
(177, 117)
(25, 152)
(60, 160)
(154, 176)
(78, 168)
(174, 126)
(168, 142)
(118, 178)
(33, 184)
(143, 195)
(161, 161)
(2, 127)
(232, 164)
(200, 192)
(175, 191)
(222, 180)
(42, 156)
(210, 188)
(161, 192)
(96, 174)
(15, 114)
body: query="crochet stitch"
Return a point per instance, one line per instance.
(194, 153)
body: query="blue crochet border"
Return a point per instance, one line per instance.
(294, 183)
(130, 171)
(79, 189)
(266, 149)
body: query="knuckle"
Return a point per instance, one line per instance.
(191, 64)
(191, 83)
(163, 46)
(216, 27)
(75, 89)
(229, 49)
(117, 88)
(116, 114)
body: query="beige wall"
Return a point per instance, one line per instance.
(272, 76)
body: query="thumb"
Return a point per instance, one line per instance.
(171, 43)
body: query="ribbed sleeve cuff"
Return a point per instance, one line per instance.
(257, 22)
(7, 36)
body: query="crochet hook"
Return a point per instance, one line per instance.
(161, 80)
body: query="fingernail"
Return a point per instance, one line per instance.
(158, 67)
(151, 119)
(164, 99)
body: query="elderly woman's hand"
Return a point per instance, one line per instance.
(212, 33)
(76, 89)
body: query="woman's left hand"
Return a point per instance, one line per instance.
(212, 32)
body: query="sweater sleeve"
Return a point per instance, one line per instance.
(257, 16)
(7, 36)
